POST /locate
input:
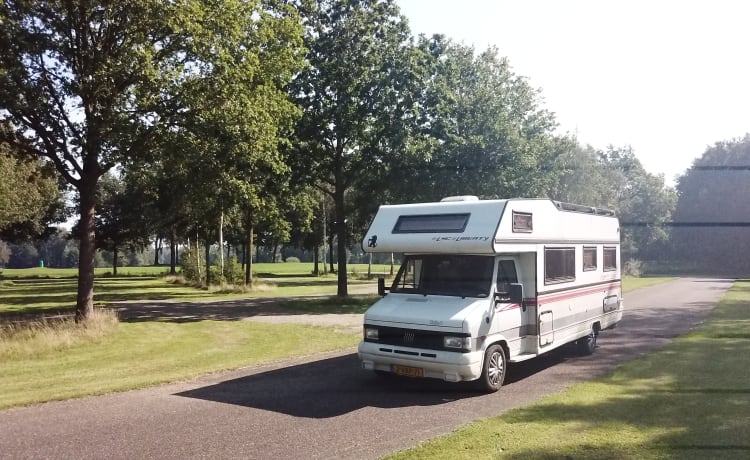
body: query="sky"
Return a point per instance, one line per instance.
(668, 78)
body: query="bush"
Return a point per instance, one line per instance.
(633, 267)
(292, 260)
(233, 272)
(193, 265)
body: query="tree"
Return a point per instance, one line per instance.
(4, 253)
(27, 189)
(119, 221)
(349, 97)
(482, 125)
(89, 86)
(711, 216)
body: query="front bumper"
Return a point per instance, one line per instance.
(445, 365)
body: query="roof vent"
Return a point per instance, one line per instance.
(460, 198)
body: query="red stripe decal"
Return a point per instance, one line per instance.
(570, 295)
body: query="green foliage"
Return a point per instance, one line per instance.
(193, 265)
(713, 194)
(27, 190)
(616, 179)
(354, 107)
(233, 272)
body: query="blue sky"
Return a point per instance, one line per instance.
(668, 78)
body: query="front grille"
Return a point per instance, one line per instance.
(413, 338)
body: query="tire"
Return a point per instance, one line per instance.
(587, 345)
(494, 369)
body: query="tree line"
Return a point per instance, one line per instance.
(264, 122)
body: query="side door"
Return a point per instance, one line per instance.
(508, 317)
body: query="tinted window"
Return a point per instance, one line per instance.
(559, 265)
(589, 258)
(610, 259)
(435, 223)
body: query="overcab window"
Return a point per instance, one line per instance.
(432, 223)
(559, 265)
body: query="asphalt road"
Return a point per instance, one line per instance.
(324, 406)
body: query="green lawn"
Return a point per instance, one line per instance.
(630, 283)
(142, 354)
(691, 400)
(260, 269)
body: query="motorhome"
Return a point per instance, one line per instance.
(484, 283)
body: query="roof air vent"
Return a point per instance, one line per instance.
(460, 198)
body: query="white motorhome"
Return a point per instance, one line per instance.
(485, 283)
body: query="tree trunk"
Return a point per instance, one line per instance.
(172, 254)
(85, 298)
(249, 256)
(369, 267)
(221, 242)
(157, 250)
(316, 269)
(208, 264)
(114, 260)
(244, 255)
(391, 264)
(338, 199)
(330, 252)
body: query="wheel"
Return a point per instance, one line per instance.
(587, 345)
(493, 371)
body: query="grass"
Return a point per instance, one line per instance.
(142, 354)
(631, 283)
(689, 401)
(302, 269)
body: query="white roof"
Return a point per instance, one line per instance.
(486, 226)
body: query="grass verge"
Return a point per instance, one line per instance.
(691, 400)
(631, 283)
(141, 354)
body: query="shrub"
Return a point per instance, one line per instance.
(193, 265)
(292, 260)
(633, 267)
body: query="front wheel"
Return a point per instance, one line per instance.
(493, 371)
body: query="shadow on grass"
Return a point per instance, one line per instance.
(240, 309)
(688, 417)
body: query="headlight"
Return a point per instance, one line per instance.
(457, 342)
(371, 333)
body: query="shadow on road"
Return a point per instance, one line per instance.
(337, 386)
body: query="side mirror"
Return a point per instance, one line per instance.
(381, 287)
(516, 293)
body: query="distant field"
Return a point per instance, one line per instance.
(260, 269)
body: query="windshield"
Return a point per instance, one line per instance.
(456, 275)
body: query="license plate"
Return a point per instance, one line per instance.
(407, 371)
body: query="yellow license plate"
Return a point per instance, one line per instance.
(407, 371)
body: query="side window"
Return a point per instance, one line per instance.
(412, 275)
(610, 259)
(559, 265)
(589, 258)
(506, 274)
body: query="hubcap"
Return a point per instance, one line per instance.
(495, 368)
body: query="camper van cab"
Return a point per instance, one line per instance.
(485, 283)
